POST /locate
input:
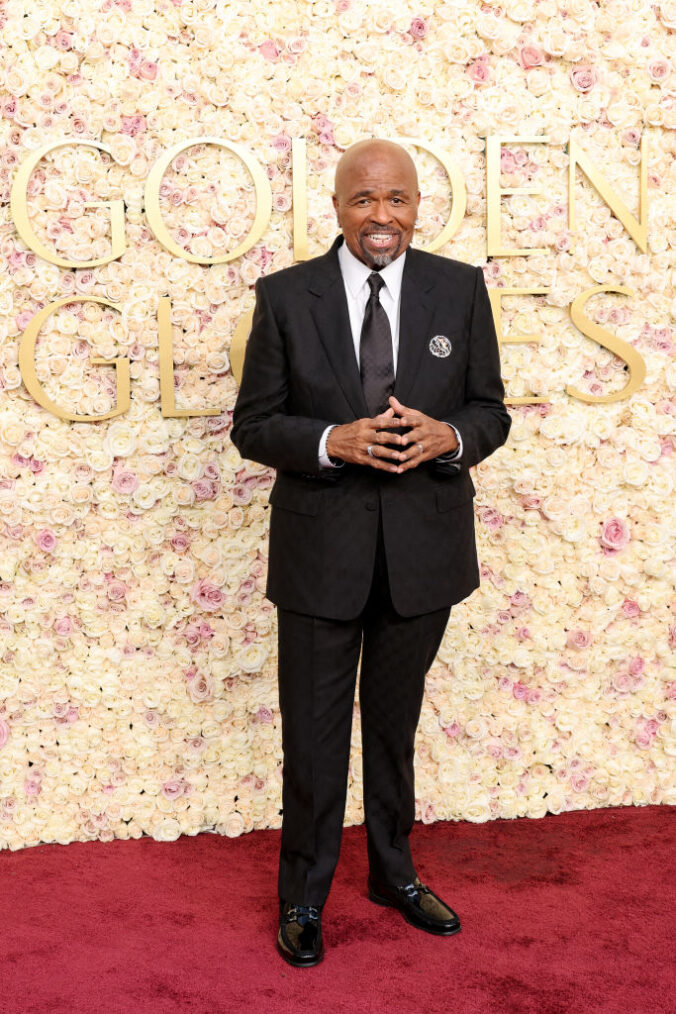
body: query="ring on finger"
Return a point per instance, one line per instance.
(420, 448)
(369, 451)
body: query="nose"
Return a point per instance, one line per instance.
(380, 213)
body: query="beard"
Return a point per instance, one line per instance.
(380, 258)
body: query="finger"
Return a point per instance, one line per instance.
(388, 437)
(416, 433)
(384, 418)
(378, 460)
(397, 405)
(379, 448)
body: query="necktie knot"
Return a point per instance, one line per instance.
(376, 283)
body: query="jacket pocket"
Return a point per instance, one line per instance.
(293, 498)
(455, 491)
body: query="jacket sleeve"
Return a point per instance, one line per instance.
(262, 430)
(483, 420)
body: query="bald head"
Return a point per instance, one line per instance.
(376, 200)
(367, 153)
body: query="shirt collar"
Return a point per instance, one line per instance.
(355, 272)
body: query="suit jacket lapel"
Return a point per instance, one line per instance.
(330, 313)
(415, 318)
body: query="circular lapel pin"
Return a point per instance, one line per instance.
(440, 346)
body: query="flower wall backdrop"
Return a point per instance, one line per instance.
(137, 680)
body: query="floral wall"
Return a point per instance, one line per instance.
(137, 679)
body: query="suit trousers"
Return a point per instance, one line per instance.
(318, 662)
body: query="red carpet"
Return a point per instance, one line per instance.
(571, 914)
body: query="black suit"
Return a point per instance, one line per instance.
(356, 550)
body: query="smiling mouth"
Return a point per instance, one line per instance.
(381, 239)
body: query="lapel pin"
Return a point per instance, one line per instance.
(440, 346)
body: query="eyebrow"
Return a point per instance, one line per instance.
(369, 191)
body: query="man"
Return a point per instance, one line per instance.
(372, 384)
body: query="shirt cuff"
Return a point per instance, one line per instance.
(324, 459)
(457, 453)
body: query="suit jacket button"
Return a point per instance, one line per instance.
(371, 505)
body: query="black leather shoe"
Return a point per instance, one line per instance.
(418, 905)
(299, 940)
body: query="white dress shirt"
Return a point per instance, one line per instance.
(355, 274)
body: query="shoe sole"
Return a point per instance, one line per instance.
(378, 899)
(299, 963)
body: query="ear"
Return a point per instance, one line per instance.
(335, 207)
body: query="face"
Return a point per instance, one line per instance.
(376, 202)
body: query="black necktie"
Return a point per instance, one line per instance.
(375, 351)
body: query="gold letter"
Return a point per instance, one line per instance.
(494, 192)
(609, 341)
(458, 191)
(638, 230)
(238, 344)
(299, 178)
(19, 210)
(263, 200)
(495, 296)
(35, 388)
(166, 346)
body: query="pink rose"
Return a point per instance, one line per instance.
(46, 540)
(615, 534)
(205, 489)
(584, 78)
(180, 542)
(491, 518)
(418, 28)
(172, 789)
(147, 70)
(268, 50)
(531, 55)
(630, 609)
(658, 71)
(578, 639)
(631, 136)
(124, 481)
(530, 502)
(636, 665)
(206, 632)
(63, 40)
(263, 715)
(192, 635)
(23, 319)
(200, 688)
(63, 626)
(520, 691)
(507, 161)
(4, 732)
(623, 682)
(208, 596)
(282, 142)
(116, 590)
(479, 70)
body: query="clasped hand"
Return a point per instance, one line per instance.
(379, 443)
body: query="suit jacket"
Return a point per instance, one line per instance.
(300, 375)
